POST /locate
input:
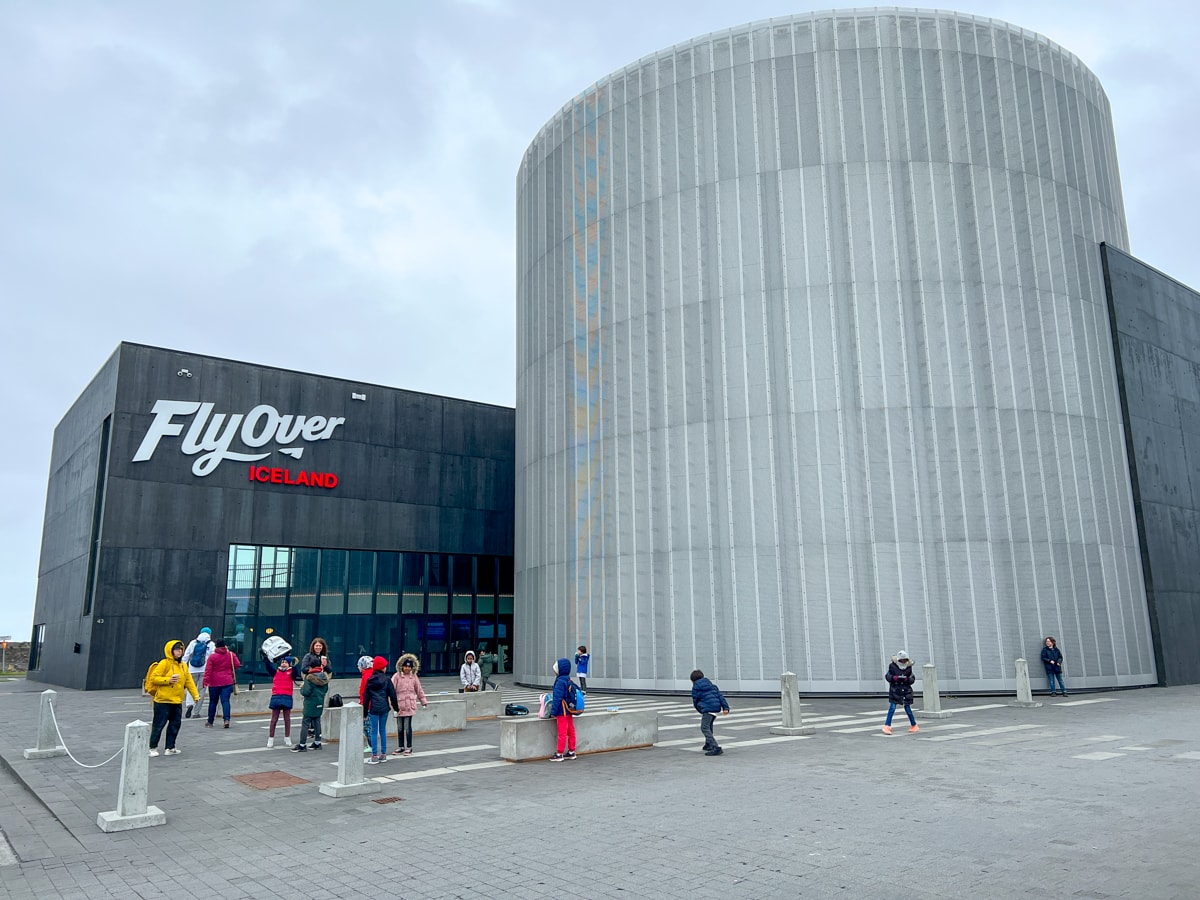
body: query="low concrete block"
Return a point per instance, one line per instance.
(483, 705)
(111, 821)
(448, 714)
(527, 738)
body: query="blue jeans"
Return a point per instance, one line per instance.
(907, 709)
(222, 694)
(377, 729)
(1050, 676)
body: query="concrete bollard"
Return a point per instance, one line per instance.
(931, 697)
(132, 810)
(789, 697)
(350, 781)
(1024, 694)
(47, 736)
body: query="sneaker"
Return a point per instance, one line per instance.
(208, 724)
(570, 754)
(398, 752)
(315, 745)
(383, 757)
(287, 742)
(154, 753)
(226, 723)
(914, 729)
(299, 748)
(557, 757)
(716, 751)
(171, 751)
(887, 729)
(188, 714)
(373, 761)
(270, 743)
(408, 752)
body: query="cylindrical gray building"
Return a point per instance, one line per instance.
(814, 363)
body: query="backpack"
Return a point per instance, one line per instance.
(544, 709)
(516, 709)
(575, 699)
(148, 689)
(335, 702)
(199, 655)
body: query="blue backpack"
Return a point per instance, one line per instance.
(199, 655)
(575, 701)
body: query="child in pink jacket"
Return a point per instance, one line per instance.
(408, 695)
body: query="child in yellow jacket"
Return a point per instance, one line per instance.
(169, 681)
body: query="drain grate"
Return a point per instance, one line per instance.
(387, 799)
(265, 781)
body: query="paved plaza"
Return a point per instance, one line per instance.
(1091, 796)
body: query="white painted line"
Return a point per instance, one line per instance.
(1086, 702)
(250, 750)
(444, 770)
(1105, 738)
(771, 740)
(958, 709)
(7, 857)
(981, 732)
(392, 759)
(1135, 748)
(861, 729)
(756, 725)
(1193, 754)
(1098, 755)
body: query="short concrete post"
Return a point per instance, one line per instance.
(931, 698)
(1024, 694)
(132, 810)
(350, 758)
(47, 736)
(793, 718)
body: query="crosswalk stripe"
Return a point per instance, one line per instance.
(767, 740)
(441, 770)
(982, 732)
(1086, 702)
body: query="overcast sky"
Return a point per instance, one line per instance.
(329, 187)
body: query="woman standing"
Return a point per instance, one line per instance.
(316, 659)
(220, 674)
(1052, 659)
(408, 694)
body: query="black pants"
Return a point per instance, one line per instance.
(171, 715)
(313, 724)
(404, 732)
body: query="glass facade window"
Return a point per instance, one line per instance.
(368, 603)
(35, 647)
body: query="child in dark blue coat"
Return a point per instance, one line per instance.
(708, 700)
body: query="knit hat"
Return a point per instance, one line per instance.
(206, 631)
(903, 654)
(379, 663)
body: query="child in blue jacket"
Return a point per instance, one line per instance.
(582, 657)
(708, 700)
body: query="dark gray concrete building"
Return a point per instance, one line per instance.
(189, 491)
(1156, 335)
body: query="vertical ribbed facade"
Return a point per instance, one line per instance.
(814, 363)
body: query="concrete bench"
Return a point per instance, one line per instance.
(527, 737)
(445, 713)
(480, 704)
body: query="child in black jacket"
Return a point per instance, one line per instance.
(900, 679)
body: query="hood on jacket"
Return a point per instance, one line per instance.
(563, 667)
(203, 637)
(169, 646)
(317, 677)
(409, 658)
(469, 657)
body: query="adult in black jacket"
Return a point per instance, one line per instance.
(379, 698)
(1052, 659)
(900, 680)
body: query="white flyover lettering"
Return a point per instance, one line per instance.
(258, 427)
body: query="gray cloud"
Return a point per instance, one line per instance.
(329, 187)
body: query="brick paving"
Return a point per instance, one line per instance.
(1091, 798)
